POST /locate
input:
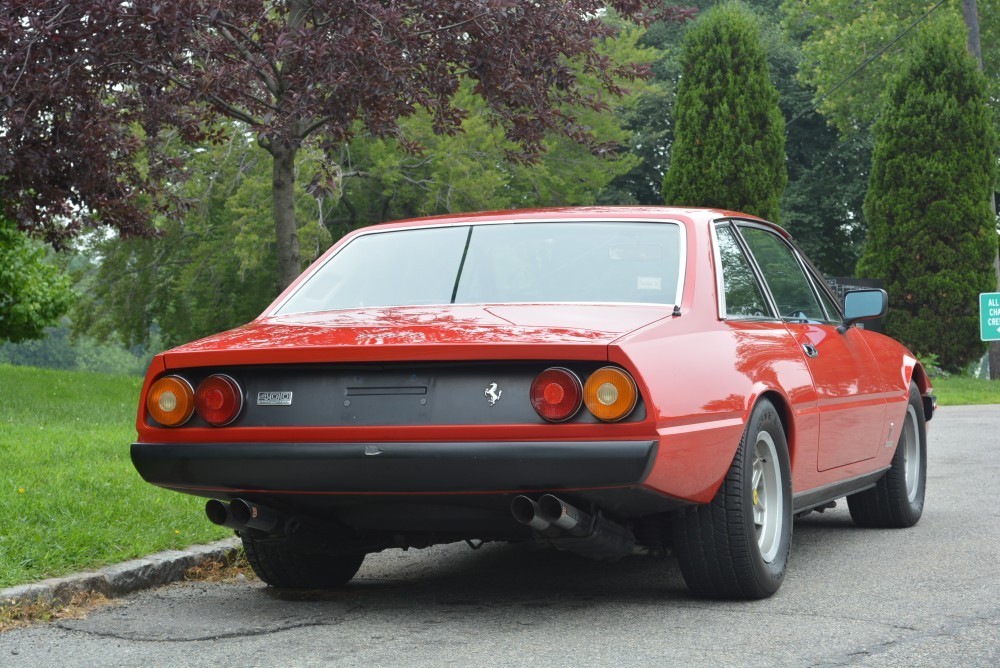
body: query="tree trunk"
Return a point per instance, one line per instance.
(283, 194)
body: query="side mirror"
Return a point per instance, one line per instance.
(863, 305)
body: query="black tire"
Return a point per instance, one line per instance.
(281, 564)
(721, 549)
(897, 500)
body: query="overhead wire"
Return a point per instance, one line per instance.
(865, 64)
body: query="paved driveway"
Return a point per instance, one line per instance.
(924, 596)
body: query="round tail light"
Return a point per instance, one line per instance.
(610, 394)
(556, 394)
(170, 401)
(218, 400)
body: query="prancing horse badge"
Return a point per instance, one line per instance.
(492, 393)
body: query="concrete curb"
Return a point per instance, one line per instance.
(120, 579)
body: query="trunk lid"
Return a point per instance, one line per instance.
(459, 332)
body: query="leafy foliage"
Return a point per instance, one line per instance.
(838, 37)
(468, 171)
(33, 293)
(78, 79)
(729, 145)
(208, 271)
(827, 177)
(932, 235)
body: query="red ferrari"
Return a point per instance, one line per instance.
(608, 381)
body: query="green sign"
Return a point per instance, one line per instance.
(989, 316)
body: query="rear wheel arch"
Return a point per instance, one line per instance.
(737, 545)
(919, 377)
(780, 403)
(923, 383)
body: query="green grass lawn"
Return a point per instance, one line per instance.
(69, 497)
(961, 390)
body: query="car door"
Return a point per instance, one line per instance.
(850, 400)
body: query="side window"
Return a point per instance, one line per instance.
(789, 285)
(831, 309)
(744, 298)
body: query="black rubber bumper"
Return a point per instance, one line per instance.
(393, 468)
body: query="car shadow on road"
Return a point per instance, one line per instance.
(501, 573)
(503, 586)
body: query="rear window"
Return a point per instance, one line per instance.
(616, 262)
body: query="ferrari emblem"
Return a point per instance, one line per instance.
(492, 393)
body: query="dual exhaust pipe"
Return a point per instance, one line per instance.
(569, 528)
(556, 522)
(240, 514)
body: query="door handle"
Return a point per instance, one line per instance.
(810, 350)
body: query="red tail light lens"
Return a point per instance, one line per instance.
(218, 400)
(170, 401)
(556, 394)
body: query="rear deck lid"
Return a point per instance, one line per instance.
(459, 332)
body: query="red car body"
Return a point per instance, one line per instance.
(439, 473)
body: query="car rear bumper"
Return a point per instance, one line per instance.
(226, 469)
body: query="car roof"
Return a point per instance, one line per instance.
(558, 214)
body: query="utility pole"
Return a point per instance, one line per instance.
(971, 16)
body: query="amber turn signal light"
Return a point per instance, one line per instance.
(610, 394)
(170, 401)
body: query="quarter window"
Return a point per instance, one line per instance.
(744, 298)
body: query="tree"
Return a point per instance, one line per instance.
(214, 268)
(838, 37)
(827, 173)
(33, 293)
(79, 79)
(210, 270)
(932, 235)
(467, 171)
(827, 178)
(729, 144)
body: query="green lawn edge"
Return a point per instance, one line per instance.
(70, 499)
(965, 391)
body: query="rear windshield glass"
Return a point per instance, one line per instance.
(502, 263)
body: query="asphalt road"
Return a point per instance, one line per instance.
(926, 596)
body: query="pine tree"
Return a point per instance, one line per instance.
(729, 148)
(932, 236)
